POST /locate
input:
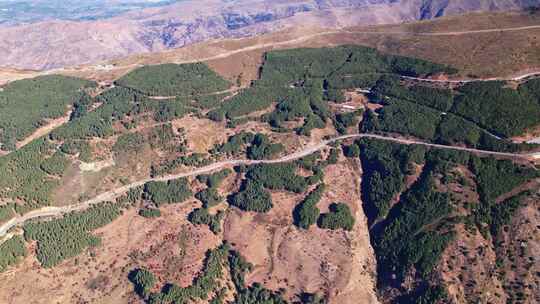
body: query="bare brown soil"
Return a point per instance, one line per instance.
(336, 263)
(468, 269)
(473, 53)
(170, 246)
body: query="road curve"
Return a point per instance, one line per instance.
(112, 194)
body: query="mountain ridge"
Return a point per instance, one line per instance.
(58, 43)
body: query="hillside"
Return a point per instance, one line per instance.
(44, 35)
(329, 174)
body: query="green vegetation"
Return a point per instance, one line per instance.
(311, 298)
(6, 212)
(252, 197)
(129, 142)
(391, 86)
(404, 241)
(174, 79)
(235, 144)
(150, 212)
(73, 147)
(456, 130)
(165, 110)
(339, 217)
(143, 280)
(11, 251)
(163, 137)
(280, 176)
(468, 114)
(258, 146)
(61, 239)
(203, 284)
(405, 118)
(249, 100)
(302, 81)
(306, 213)
(80, 108)
(215, 179)
(209, 197)
(173, 191)
(385, 166)
(168, 166)
(503, 212)
(200, 216)
(131, 197)
(117, 103)
(343, 121)
(209, 101)
(22, 176)
(262, 148)
(495, 178)
(499, 109)
(55, 165)
(255, 294)
(26, 104)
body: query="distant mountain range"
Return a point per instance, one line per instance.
(48, 34)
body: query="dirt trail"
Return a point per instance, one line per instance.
(451, 33)
(46, 129)
(112, 194)
(515, 77)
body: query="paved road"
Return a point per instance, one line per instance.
(111, 195)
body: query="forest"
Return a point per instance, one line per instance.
(475, 114)
(25, 105)
(414, 228)
(174, 80)
(60, 239)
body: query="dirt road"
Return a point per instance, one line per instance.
(111, 195)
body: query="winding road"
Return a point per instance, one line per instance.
(112, 194)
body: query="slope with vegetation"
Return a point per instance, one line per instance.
(417, 199)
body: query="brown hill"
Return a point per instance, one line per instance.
(52, 44)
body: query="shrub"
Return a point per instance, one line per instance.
(11, 251)
(143, 280)
(55, 165)
(209, 197)
(214, 180)
(262, 148)
(173, 191)
(306, 213)
(278, 177)
(203, 284)
(200, 216)
(129, 142)
(252, 197)
(150, 212)
(339, 217)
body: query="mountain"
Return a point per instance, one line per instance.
(58, 40)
